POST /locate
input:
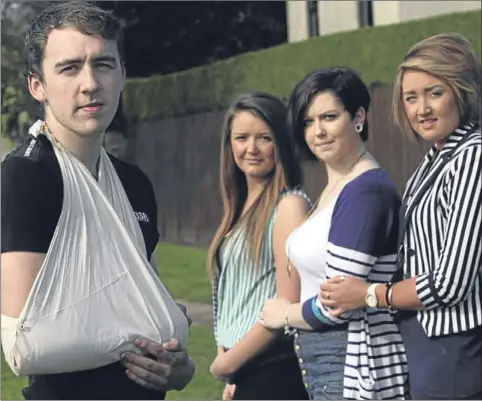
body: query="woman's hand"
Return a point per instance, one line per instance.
(228, 392)
(343, 294)
(274, 312)
(220, 367)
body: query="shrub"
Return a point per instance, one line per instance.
(374, 52)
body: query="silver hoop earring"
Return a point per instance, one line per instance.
(359, 127)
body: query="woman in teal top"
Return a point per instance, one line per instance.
(260, 175)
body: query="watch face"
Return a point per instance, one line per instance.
(371, 301)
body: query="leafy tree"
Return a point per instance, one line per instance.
(18, 108)
(161, 37)
(168, 36)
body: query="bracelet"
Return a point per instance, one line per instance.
(289, 331)
(388, 295)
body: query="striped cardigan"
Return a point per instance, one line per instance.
(442, 244)
(362, 242)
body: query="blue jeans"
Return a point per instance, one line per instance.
(321, 356)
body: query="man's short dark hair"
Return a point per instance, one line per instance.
(81, 15)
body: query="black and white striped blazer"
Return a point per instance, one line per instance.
(442, 244)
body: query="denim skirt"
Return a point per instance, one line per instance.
(321, 356)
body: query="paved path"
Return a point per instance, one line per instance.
(200, 312)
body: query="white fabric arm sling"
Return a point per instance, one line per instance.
(96, 291)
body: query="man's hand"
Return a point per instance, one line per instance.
(166, 367)
(184, 310)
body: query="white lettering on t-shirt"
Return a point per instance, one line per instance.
(30, 147)
(141, 217)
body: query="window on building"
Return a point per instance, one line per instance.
(312, 18)
(365, 13)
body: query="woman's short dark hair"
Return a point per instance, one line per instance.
(343, 82)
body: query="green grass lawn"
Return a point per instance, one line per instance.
(202, 350)
(11, 384)
(183, 270)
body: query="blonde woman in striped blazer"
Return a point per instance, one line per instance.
(438, 291)
(246, 260)
(352, 231)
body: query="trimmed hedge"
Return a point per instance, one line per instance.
(374, 52)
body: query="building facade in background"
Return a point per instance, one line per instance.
(306, 19)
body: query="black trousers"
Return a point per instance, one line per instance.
(273, 375)
(444, 367)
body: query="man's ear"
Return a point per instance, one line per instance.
(36, 88)
(123, 77)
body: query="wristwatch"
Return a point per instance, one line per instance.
(371, 296)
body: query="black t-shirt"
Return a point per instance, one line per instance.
(32, 195)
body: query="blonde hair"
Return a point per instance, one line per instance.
(451, 58)
(286, 174)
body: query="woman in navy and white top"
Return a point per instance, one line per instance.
(437, 98)
(259, 176)
(352, 231)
